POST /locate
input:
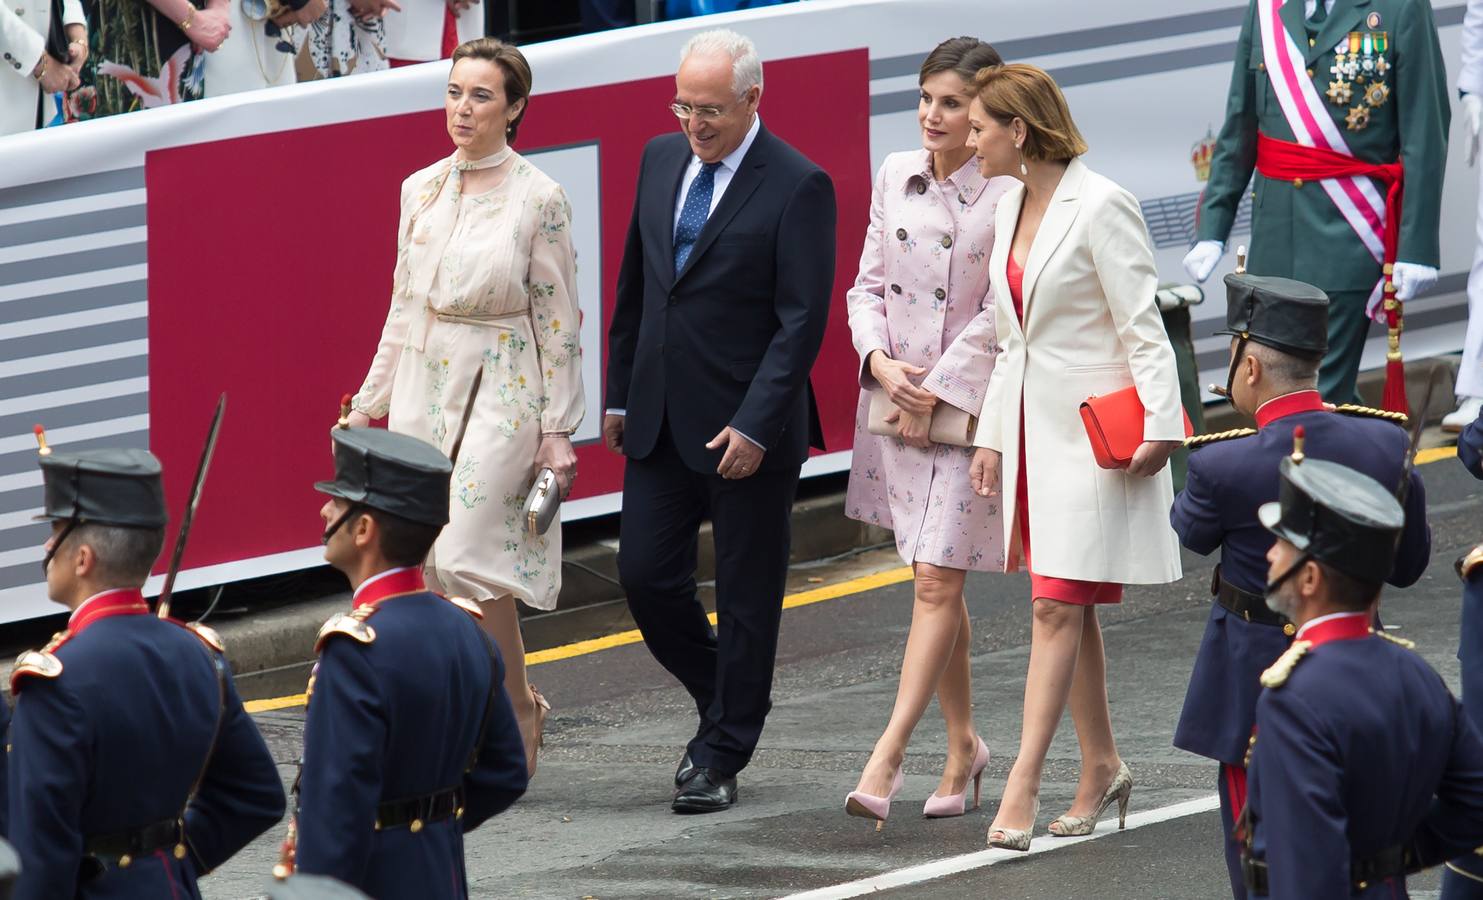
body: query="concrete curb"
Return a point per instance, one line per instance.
(271, 651)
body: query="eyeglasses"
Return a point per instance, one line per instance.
(683, 111)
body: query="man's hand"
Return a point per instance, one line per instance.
(305, 15)
(913, 430)
(742, 457)
(373, 9)
(458, 6)
(983, 472)
(612, 432)
(1472, 126)
(1151, 456)
(895, 377)
(54, 75)
(1200, 261)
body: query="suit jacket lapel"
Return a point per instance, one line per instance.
(659, 226)
(744, 181)
(1058, 218)
(1292, 18)
(1005, 217)
(1342, 19)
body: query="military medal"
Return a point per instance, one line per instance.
(1376, 94)
(1340, 93)
(1358, 118)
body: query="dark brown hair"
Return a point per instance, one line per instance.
(1028, 93)
(963, 56)
(512, 63)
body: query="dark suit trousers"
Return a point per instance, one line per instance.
(727, 670)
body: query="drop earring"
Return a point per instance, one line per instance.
(1021, 151)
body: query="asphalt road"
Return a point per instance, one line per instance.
(596, 822)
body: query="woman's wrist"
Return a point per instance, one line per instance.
(564, 435)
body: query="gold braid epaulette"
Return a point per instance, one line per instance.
(1469, 563)
(41, 663)
(1354, 409)
(1384, 636)
(467, 605)
(1201, 440)
(1277, 673)
(352, 624)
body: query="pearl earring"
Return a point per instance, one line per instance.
(1021, 151)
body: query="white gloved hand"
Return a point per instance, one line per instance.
(1200, 261)
(1412, 280)
(1472, 125)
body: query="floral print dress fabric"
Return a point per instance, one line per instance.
(922, 296)
(484, 284)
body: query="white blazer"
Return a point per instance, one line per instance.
(23, 25)
(1091, 327)
(416, 32)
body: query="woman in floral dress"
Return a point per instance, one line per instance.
(483, 329)
(146, 54)
(922, 321)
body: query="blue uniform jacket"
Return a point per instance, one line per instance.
(1227, 481)
(115, 742)
(399, 718)
(1362, 749)
(1470, 655)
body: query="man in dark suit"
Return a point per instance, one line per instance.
(1278, 333)
(723, 297)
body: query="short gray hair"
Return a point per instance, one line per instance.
(746, 65)
(125, 555)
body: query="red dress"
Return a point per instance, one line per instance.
(1065, 590)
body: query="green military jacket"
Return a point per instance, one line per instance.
(1297, 231)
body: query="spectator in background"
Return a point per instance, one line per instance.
(349, 38)
(266, 37)
(143, 55)
(425, 30)
(31, 73)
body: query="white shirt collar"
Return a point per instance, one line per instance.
(375, 578)
(1311, 622)
(732, 161)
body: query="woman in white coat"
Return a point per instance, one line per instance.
(31, 76)
(1074, 291)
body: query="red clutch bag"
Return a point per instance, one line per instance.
(1114, 424)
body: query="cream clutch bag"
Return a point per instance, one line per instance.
(950, 425)
(542, 503)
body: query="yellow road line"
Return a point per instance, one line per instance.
(802, 598)
(583, 648)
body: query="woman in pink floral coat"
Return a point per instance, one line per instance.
(923, 323)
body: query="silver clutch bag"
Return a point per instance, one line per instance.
(542, 504)
(950, 425)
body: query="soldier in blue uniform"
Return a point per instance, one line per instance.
(1363, 766)
(410, 739)
(133, 769)
(1463, 879)
(1278, 329)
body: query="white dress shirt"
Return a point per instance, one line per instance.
(1310, 6)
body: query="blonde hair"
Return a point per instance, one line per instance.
(1028, 93)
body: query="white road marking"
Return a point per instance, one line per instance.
(1043, 843)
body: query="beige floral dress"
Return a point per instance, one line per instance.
(484, 284)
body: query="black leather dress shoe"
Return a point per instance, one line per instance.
(706, 791)
(685, 770)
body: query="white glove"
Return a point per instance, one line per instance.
(1412, 279)
(1200, 261)
(1472, 124)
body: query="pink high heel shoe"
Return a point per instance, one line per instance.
(957, 804)
(869, 806)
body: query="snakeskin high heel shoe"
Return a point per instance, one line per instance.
(1120, 790)
(1015, 838)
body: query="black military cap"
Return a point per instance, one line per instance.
(1287, 315)
(314, 887)
(107, 487)
(394, 473)
(1338, 516)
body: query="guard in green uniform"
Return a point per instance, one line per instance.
(1333, 103)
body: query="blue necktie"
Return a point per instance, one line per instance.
(693, 214)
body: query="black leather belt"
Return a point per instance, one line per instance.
(1249, 606)
(120, 848)
(418, 811)
(1392, 862)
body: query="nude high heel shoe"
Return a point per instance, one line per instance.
(1120, 790)
(543, 706)
(1015, 838)
(869, 806)
(957, 804)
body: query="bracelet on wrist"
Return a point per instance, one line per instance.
(40, 71)
(189, 18)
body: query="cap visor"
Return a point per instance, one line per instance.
(329, 487)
